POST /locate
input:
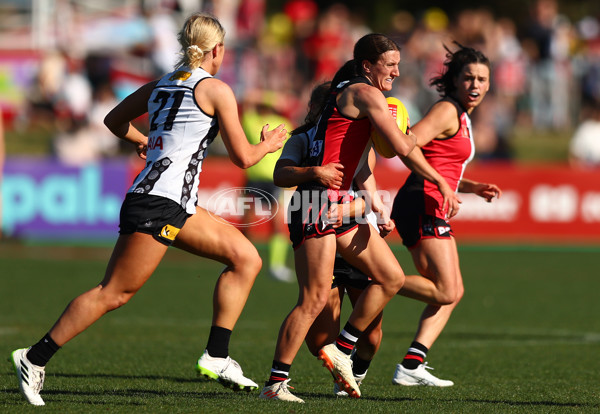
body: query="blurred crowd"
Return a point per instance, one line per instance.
(545, 69)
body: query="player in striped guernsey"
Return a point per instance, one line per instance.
(186, 108)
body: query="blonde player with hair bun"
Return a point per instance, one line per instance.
(186, 109)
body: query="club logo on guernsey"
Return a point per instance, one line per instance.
(169, 232)
(180, 75)
(316, 148)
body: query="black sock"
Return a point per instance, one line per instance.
(279, 372)
(415, 356)
(40, 353)
(359, 365)
(218, 342)
(347, 338)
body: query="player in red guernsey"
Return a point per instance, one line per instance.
(445, 138)
(340, 136)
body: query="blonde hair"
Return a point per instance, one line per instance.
(201, 32)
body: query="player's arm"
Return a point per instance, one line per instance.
(216, 97)
(371, 102)
(365, 181)
(119, 119)
(440, 121)
(417, 162)
(287, 173)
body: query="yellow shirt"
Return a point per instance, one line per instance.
(252, 123)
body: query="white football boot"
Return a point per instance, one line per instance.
(340, 366)
(279, 391)
(338, 392)
(226, 371)
(31, 377)
(418, 376)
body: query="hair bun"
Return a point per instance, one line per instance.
(194, 53)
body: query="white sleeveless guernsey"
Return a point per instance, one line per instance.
(179, 136)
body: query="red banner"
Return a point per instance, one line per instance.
(539, 203)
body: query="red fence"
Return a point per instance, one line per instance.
(540, 203)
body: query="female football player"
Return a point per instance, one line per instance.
(186, 109)
(354, 106)
(445, 139)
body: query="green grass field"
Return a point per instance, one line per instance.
(526, 338)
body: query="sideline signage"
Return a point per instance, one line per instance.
(540, 203)
(42, 198)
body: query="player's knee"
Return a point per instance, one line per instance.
(115, 301)
(247, 259)
(459, 294)
(445, 297)
(314, 304)
(450, 296)
(394, 284)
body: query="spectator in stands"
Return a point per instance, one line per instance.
(584, 149)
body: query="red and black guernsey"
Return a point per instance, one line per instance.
(449, 156)
(341, 139)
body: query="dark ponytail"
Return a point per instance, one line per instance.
(317, 101)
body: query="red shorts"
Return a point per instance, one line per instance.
(414, 228)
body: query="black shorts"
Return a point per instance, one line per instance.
(158, 216)
(307, 216)
(412, 224)
(346, 275)
(413, 228)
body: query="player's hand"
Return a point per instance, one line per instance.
(487, 191)
(330, 175)
(451, 203)
(384, 223)
(335, 215)
(274, 138)
(142, 150)
(386, 228)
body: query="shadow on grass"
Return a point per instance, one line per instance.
(115, 397)
(330, 396)
(509, 403)
(529, 403)
(99, 397)
(135, 377)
